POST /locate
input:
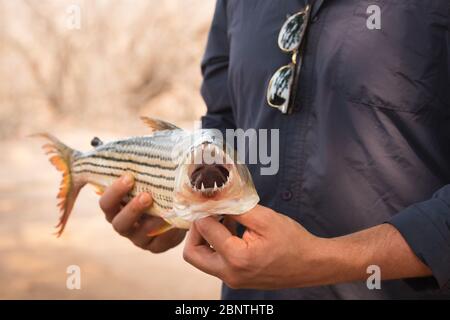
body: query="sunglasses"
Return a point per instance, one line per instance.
(290, 40)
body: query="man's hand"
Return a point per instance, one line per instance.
(277, 252)
(130, 221)
(273, 251)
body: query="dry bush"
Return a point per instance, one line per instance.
(129, 57)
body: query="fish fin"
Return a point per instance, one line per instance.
(99, 190)
(159, 231)
(177, 222)
(158, 125)
(62, 157)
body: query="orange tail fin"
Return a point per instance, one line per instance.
(62, 157)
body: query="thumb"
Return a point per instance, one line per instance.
(256, 219)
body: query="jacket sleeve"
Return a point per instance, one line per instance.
(214, 88)
(426, 228)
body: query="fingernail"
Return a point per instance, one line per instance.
(145, 199)
(127, 179)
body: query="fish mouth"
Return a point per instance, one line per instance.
(210, 180)
(207, 178)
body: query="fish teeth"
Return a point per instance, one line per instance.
(215, 186)
(203, 187)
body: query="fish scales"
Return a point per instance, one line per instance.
(148, 158)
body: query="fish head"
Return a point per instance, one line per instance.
(209, 179)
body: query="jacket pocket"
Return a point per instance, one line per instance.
(395, 67)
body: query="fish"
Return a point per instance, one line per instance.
(190, 175)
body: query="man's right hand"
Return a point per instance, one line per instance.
(131, 221)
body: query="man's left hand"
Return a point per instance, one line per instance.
(272, 252)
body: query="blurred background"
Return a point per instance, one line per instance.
(79, 69)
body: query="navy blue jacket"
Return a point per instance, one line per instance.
(369, 139)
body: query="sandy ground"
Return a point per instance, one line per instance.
(33, 262)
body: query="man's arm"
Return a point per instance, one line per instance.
(426, 228)
(277, 252)
(382, 246)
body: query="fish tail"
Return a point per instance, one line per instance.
(62, 157)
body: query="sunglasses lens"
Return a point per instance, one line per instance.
(292, 31)
(280, 87)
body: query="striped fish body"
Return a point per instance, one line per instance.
(170, 164)
(149, 159)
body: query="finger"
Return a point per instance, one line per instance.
(230, 224)
(157, 244)
(216, 234)
(166, 241)
(125, 200)
(257, 219)
(139, 236)
(200, 255)
(110, 202)
(124, 222)
(195, 238)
